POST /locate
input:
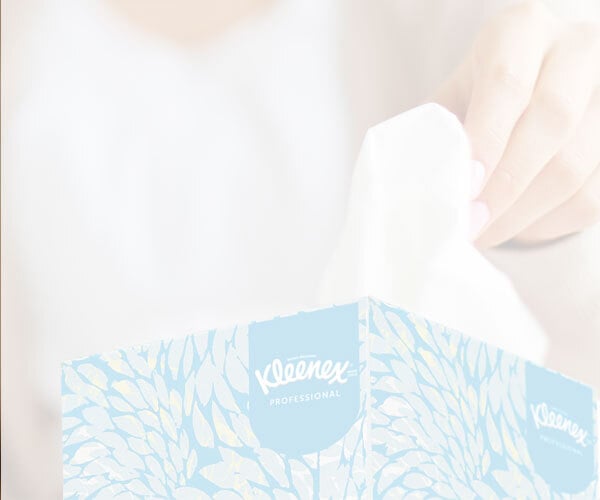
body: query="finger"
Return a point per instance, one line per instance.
(506, 62)
(579, 212)
(561, 96)
(564, 175)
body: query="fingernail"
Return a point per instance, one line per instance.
(480, 216)
(477, 177)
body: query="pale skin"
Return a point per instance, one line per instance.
(528, 93)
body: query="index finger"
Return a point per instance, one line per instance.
(506, 62)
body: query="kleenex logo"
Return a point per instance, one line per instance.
(544, 417)
(304, 383)
(275, 374)
(560, 429)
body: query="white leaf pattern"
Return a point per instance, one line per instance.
(475, 397)
(169, 420)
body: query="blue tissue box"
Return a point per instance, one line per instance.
(362, 400)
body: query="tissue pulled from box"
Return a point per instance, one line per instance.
(406, 235)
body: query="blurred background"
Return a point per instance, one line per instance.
(174, 166)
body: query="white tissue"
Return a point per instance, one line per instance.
(405, 238)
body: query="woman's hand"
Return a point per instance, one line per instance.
(529, 96)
